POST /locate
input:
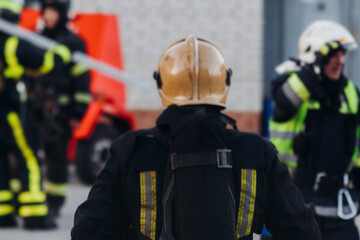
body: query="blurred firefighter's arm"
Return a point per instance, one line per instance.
(40, 62)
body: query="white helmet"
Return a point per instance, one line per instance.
(320, 32)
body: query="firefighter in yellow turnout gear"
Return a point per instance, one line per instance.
(17, 58)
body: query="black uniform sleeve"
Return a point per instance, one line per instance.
(80, 78)
(288, 217)
(33, 57)
(103, 214)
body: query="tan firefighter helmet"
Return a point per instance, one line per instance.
(192, 71)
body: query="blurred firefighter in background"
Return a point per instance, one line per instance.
(316, 127)
(60, 102)
(18, 58)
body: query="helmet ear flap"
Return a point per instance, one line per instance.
(157, 79)
(229, 73)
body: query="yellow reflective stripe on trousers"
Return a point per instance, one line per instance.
(246, 203)
(6, 196)
(6, 209)
(33, 210)
(31, 197)
(56, 189)
(148, 209)
(298, 87)
(48, 63)
(78, 70)
(15, 185)
(82, 97)
(13, 69)
(31, 161)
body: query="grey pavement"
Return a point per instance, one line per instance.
(77, 194)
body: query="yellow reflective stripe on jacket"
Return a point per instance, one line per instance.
(12, 6)
(313, 105)
(246, 202)
(31, 197)
(282, 134)
(63, 99)
(82, 97)
(6, 196)
(56, 189)
(298, 87)
(6, 209)
(352, 97)
(78, 70)
(48, 64)
(63, 52)
(356, 155)
(148, 200)
(33, 210)
(31, 161)
(13, 69)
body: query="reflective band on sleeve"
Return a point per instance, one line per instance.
(78, 70)
(15, 185)
(246, 203)
(28, 197)
(11, 6)
(352, 97)
(298, 87)
(63, 99)
(6, 196)
(14, 69)
(291, 95)
(6, 209)
(83, 97)
(282, 135)
(148, 209)
(64, 53)
(48, 64)
(31, 161)
(33, 210)
(56, 189)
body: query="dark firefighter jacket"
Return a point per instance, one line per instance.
(17, 57)
(68, 91)
(316, 130)
(126, 200)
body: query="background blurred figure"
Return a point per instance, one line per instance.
(17, 58)
(60, 102)
(316, 127)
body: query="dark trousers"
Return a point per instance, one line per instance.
(344, 231)
(17, 147)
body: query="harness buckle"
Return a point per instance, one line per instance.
(223, 157)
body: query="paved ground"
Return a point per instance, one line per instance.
(77, 194)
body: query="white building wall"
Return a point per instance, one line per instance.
(149, 27)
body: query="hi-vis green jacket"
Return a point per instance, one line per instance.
(330, 122)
